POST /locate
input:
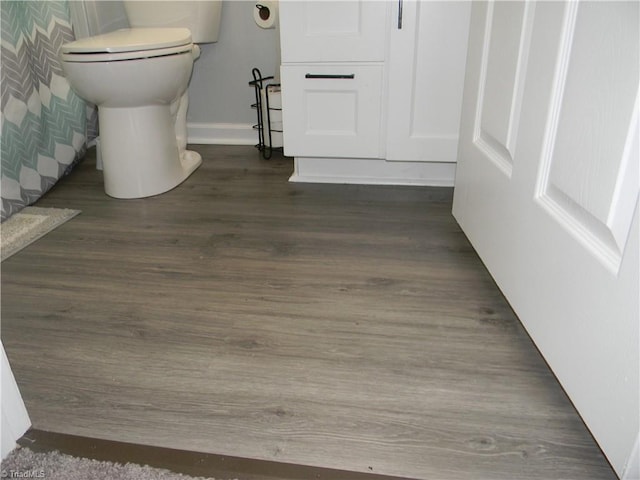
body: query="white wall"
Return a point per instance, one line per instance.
(219, 95)
(632, 468)
(15, 420)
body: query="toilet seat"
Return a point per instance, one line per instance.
(128, 44)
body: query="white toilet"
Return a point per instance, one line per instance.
(138, 78)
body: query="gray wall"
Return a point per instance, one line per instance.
(219, 90)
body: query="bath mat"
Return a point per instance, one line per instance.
(30, 224)
(23, 463)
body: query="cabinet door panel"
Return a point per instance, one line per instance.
(331, 110)
(333, 31)
(426, 78)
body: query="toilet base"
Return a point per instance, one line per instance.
(140, 153)
(190, 162)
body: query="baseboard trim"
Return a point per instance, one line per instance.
(372, 171)
(221, 133)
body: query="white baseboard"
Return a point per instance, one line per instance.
(221, 133)
(372, 171)
(366, 171)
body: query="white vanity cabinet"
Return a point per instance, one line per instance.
(332, 74)
(333, 31)
(332, 109)
(372, 90)
(426, 66)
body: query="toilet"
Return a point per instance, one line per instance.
(138, 78)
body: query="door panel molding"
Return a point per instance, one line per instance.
(599, 220)
(500, 147)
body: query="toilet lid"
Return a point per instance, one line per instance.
(130, 40)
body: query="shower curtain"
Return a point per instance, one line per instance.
(45, 125)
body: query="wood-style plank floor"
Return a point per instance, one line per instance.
(349, 327)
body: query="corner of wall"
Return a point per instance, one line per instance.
(632, 468)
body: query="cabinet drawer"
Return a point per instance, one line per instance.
(331, 111)
(333, 31)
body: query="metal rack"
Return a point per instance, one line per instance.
(266, 129)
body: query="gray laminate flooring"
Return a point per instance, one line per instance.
(349, 327)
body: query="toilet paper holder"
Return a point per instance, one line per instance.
(263, 11)
(269, 113)
(266, 14)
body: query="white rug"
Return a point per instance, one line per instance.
(23, 463)
(30, 224)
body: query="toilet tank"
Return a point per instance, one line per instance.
(201, 17)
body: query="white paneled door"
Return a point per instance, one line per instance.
(547, 191)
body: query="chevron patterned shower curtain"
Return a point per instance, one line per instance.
(44, 123)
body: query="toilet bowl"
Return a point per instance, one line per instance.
(138, 79)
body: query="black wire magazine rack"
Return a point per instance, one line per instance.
(264, 92)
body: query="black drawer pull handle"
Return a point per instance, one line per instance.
(321, 75)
